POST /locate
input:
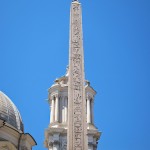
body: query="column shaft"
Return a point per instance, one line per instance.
(66, 114)
(52, 111)
(92, 111)
(63, 110)
(56, 109)
(88, 111)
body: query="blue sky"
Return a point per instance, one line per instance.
(34, 43)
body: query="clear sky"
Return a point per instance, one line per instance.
(34, 43)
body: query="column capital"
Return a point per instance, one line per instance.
(52, 97)
(88, 96)
(56, 95)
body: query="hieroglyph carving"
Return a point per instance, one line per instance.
(77, 77)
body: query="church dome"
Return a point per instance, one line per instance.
(9, 112)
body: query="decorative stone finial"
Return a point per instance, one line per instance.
(87, 82)
(56, 81)
(67, 71)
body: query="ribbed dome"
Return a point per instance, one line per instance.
(9, 112)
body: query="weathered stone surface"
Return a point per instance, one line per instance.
(77, 129)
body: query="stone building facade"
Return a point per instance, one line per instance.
(12, 136)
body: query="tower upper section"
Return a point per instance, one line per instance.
(59, 90)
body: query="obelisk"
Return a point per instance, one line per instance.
(77, 128)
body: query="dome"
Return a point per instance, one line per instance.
(9, 112)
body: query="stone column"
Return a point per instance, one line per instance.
(67, 110)
(88, 110)
(92, 111)
(66, 114)
(63, 110)
(56, 108)
(60, 109)
(52, 111)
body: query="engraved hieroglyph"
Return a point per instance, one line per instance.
(77, 129)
